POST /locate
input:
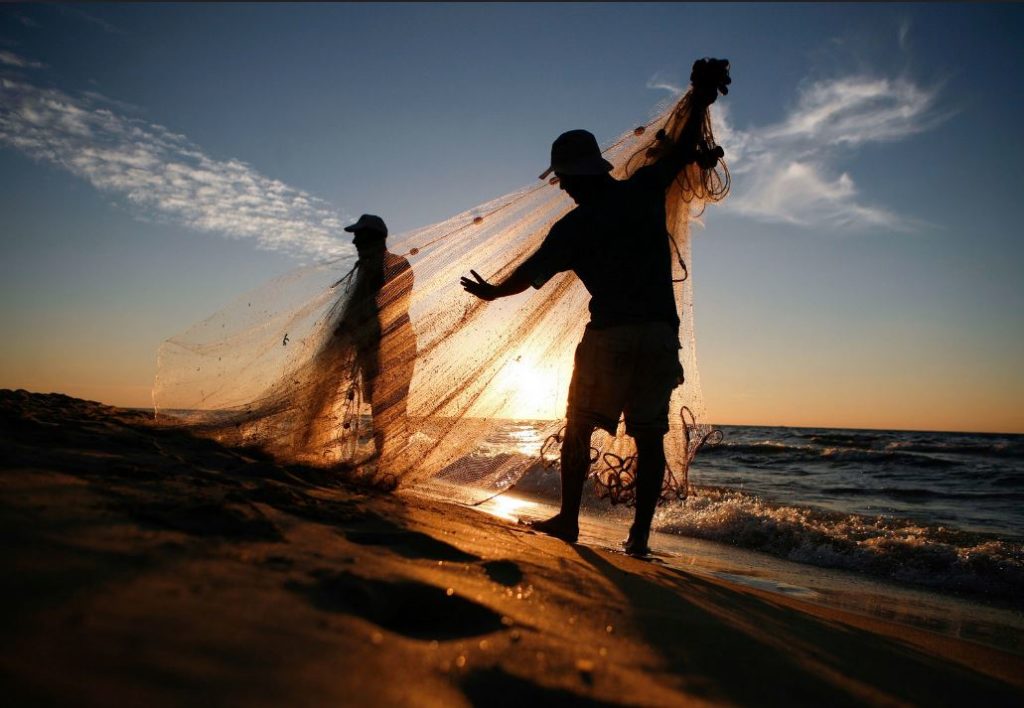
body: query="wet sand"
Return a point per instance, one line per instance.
(145, 566)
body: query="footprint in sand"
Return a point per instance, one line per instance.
(228, 520)
(411, 544)
(406, 607)
(503, 572)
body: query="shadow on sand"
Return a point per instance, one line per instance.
(762, 653)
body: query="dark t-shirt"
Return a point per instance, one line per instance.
(619, 247)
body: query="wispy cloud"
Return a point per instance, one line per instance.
(903, 33)
(788, 171)
(97, 98)
(664, 82)
(11, 59)
(162, 174)
(107, 27)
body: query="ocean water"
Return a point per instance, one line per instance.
(940, 511)
(971, 482)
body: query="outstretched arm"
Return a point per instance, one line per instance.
(515, 283)
(555, 255)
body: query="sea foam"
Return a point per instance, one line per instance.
(896, 549)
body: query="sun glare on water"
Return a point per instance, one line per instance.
(510, 508)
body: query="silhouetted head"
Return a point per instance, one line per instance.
(577, 162)
(370, 234)
(583, 188)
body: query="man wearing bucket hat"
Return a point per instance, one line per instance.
(378, 322)
(615, 241)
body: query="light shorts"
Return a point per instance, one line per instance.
(629, 369)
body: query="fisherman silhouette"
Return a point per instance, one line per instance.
(379, 327)
(615, 240)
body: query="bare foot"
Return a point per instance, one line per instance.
(558, 527)
(636, 545)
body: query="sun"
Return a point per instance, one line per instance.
(535, 392)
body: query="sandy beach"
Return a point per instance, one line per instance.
(145, 566)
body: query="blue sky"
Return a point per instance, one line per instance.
(865, 270)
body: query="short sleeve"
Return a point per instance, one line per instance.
(555, 255)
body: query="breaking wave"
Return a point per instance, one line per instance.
(941, 511)
(781, 453)
(902, 550)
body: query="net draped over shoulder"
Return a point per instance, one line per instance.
(312, 365)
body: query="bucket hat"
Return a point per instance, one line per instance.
(576, 153)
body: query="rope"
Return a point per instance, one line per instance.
(679, 259)
(615, 478)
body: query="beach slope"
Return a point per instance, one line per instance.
(142, 565)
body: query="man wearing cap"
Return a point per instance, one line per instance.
(378, 322)
(615, 241)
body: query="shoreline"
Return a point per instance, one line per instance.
(147, 566)
(989, 621)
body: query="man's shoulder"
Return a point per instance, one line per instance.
(393, 260)
(570, 224)
(396, 266)
(647, 178)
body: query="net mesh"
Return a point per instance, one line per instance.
(387, 370)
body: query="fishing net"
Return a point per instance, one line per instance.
(466, 393)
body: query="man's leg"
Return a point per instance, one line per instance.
(390, 405)
(595, 396)
(392, 425)
(650, 475)
(657, 374)
(369, 368)
(575, 464)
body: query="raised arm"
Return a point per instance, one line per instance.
(708, 78)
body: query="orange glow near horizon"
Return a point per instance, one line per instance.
(883, 400)
(855, 405)
(538, 393)
(534, 392)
